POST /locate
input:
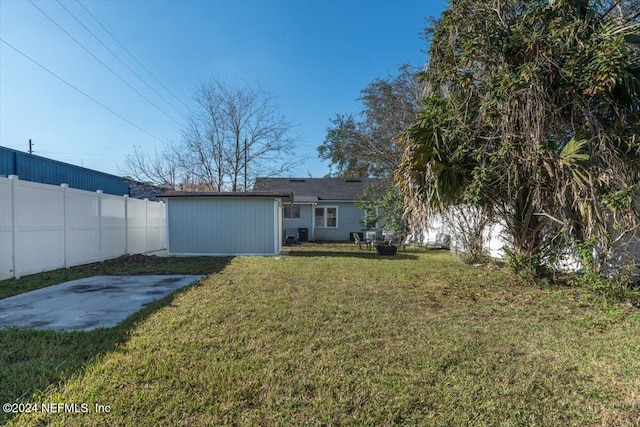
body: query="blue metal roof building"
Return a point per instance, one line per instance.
(29, 167)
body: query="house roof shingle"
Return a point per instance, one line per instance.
(317, 189)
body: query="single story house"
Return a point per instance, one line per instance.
(322, 208)
(225, 223)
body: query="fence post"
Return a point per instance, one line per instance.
(165, 209)
(14, 228)
(146, 225)
(126, 224)
(100, 223)
(65, 224)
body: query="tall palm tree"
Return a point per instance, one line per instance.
(532, 110)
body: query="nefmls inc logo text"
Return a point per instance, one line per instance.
(67, 408)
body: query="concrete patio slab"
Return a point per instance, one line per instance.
(87, 304)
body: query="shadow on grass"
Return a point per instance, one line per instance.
(33, 361)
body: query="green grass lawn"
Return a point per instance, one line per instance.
(331, 335)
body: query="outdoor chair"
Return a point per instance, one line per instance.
(371, 237)
(441, 241)
(360, 242)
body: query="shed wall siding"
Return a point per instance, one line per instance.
(220, 226)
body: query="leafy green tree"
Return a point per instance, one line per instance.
(384, 207)
(531, 110)
(366, 146)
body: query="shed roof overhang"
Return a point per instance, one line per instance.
(283, 195)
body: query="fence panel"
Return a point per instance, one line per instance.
(114, 226)
(156, 227)
(39, 227)
(136, 225)
(82, 227)
(44, 227)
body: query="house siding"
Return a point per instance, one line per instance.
(306, 215)
(311, 193)
(349, 221)
(223, 226)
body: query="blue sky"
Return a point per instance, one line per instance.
(315, 56)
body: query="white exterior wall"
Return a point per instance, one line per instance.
(45, 227)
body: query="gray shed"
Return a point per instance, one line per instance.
(225, 223)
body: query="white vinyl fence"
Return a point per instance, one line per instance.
(495, 240)
(45, 227)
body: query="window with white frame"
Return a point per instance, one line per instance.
(291, 212)
(326, 217)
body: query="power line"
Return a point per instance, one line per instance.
(106, 148)
(79, 90)
(117, 57)
(105, 65)
(132, 56)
